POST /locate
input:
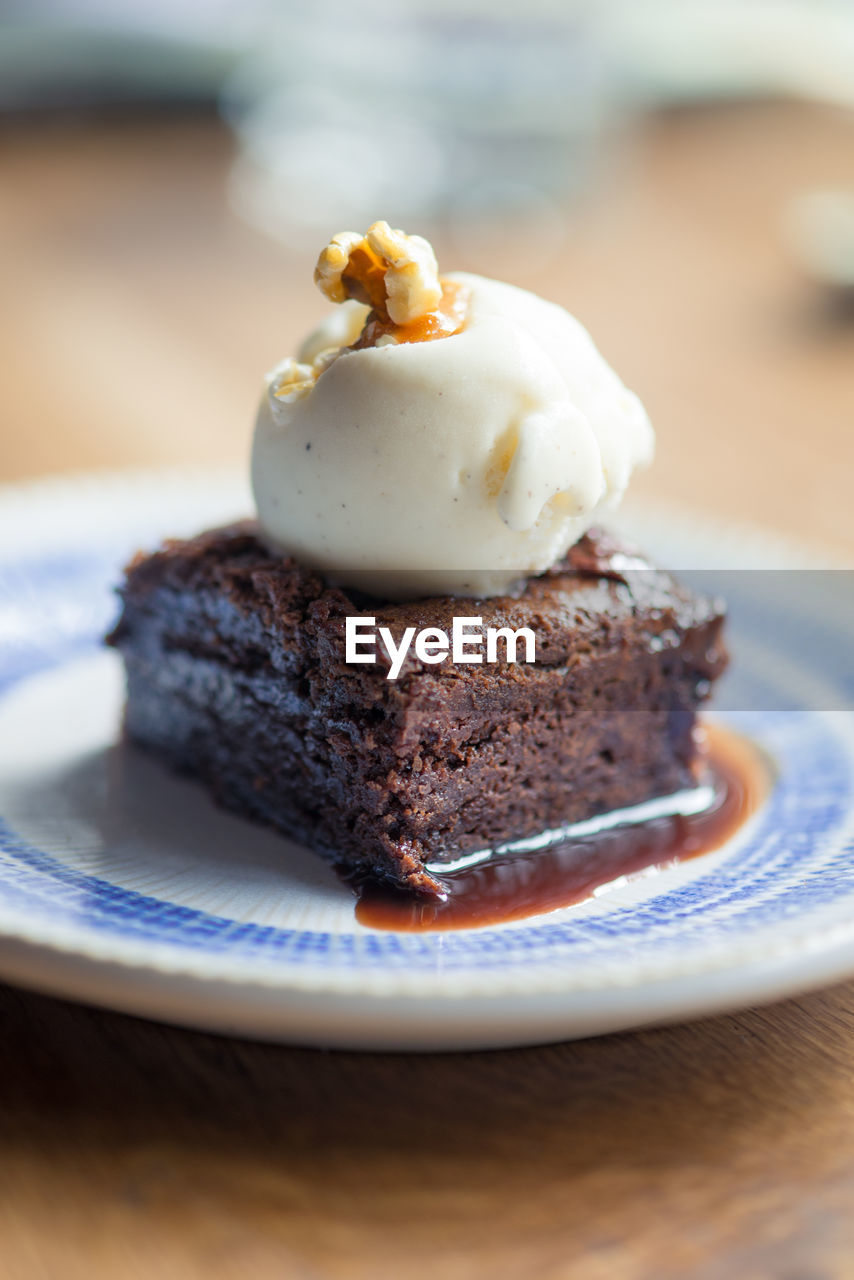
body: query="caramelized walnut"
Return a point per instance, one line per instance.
(397, 277)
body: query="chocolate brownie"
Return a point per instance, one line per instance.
(236, 673)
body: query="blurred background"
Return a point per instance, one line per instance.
(678, 173)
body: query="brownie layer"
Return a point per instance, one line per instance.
(236, 674)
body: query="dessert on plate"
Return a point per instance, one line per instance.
(426, 647)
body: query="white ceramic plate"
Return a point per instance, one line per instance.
(124, 886)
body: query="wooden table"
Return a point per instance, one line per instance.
(142, 314)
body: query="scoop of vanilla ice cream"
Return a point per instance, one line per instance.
(452, 466)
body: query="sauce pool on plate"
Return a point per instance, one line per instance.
(562, 868)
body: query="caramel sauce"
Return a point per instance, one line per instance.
(511, 886)
(364, 278)
(448, 318)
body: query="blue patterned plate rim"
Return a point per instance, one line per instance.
(784, 888)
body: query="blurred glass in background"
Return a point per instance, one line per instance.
(459, 111)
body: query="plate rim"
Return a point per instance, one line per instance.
(826, 957)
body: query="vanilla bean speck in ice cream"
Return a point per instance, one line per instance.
(438, 435)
